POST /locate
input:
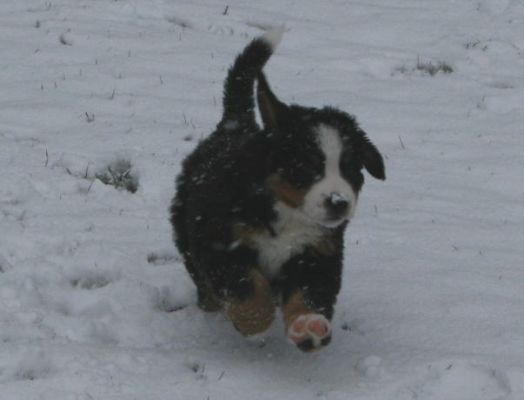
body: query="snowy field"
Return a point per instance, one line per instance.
(94, 301)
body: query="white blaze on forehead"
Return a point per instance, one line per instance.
(331, 145)
(332, 183)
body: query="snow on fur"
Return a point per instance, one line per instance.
(94, 301)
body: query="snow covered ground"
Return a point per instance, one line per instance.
(94, 302)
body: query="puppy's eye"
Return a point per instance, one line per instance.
(315, 160)
(301, 173)
(349, 160)
(351, 170)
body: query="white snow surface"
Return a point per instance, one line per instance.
(94, 300)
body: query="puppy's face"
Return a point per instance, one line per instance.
(318, 175)
(332, 196)
(317, 160)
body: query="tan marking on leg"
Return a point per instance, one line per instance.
(256, 313)
(306, 328)
(285, 192)
(294, 308)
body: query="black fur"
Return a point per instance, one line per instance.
(224, 183)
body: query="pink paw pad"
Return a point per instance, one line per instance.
(310, 332)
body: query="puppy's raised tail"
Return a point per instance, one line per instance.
(239, 103)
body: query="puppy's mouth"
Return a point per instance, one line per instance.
(324, 221)
(334, 222)
(327, 222)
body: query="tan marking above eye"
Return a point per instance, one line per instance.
(286, 192)
(246, 233)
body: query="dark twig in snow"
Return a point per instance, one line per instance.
(401, 143)
(64, 40)
(180, 22)
(89, 188)
(90, 117)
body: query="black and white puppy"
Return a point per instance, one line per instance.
(259, 214)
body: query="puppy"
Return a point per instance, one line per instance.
(259, 213)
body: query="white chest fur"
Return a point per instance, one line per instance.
(293, 234)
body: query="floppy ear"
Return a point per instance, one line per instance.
(271, 109)
(372, 160)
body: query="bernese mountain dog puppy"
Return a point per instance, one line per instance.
(259, 213)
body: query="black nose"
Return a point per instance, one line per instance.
(336, 205)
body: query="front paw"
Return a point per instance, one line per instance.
(254, 314)
(310, 332)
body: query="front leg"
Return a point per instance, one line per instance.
(253, 313)
(238, 287)
(310, 283)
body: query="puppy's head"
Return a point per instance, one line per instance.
(315, 166)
